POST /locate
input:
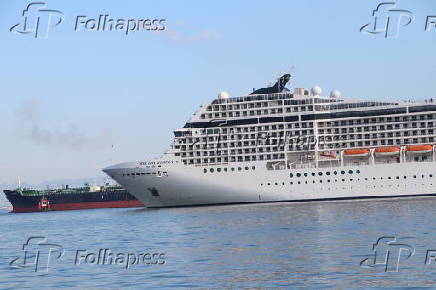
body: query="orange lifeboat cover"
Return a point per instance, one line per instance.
(419, 148)
(387, 149)
(356, 151)
(326, 154)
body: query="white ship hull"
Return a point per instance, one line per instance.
(274, 145)
(181, 185)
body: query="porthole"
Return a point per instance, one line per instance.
(313, 173)
(239, 168)
(350, 171)
(218, 169)
(291, 175)
(342, 172)
(305, 174)
(328, 173)
(205, 170)
(246, 168)
(298, 174)
(335, 172)
(320, 173)
(211, 170)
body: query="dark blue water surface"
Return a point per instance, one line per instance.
(316, 244)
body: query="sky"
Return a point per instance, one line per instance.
(78, 101)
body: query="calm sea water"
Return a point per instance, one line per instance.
(317, 244)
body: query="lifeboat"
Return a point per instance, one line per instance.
(357, 153)
(387, 151)
(328, 154)
(419, 149)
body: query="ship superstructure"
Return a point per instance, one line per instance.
(280, 145)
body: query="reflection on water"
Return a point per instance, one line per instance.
(284, 244)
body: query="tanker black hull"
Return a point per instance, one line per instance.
(63, 201)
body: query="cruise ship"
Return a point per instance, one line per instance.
(277, 144)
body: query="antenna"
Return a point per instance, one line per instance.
(19, 182)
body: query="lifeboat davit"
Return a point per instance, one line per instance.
(328, 154)
(419, 149)
(357, 152)
(387, 151)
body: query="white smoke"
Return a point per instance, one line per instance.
(67, 135)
